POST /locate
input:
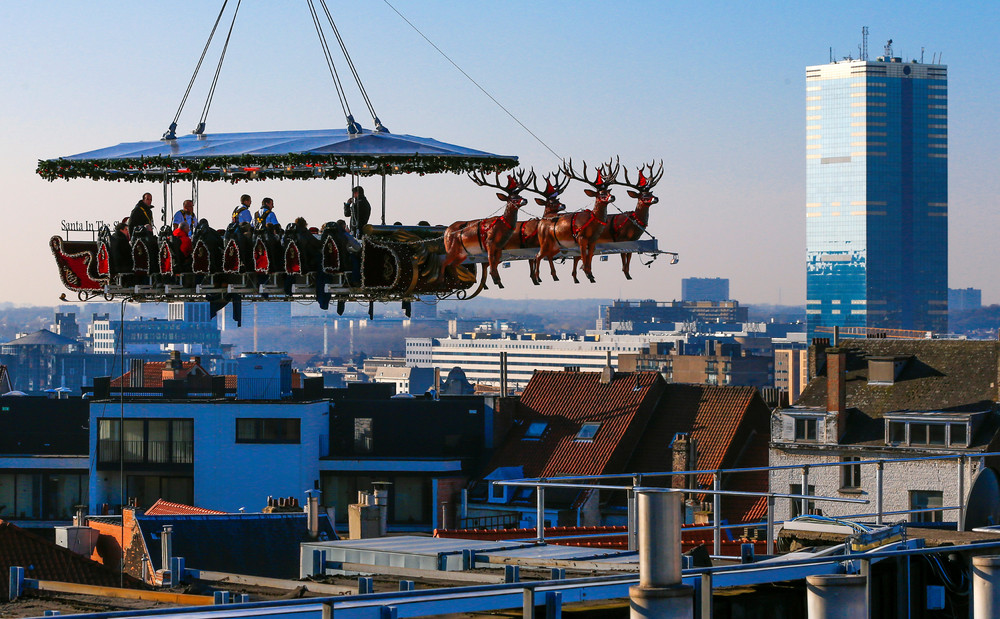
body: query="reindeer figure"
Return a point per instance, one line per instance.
(526, 235)
(581, 228)
(625, 227)
(487, 236)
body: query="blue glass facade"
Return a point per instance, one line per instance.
(877, 195)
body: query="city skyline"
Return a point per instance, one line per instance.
(643, 82)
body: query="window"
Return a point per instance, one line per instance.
(145, 441)
(850, 474)
(958, 435)
(588, 431)
(926, 499)
(897, 432)
(498, 492)
(935, 434)
(918, 433)
(536, 429)
(363, 439)
(805, 429)
(251, 430)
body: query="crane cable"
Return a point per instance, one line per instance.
(200, 129)
(171, 133)
(379, 127)
(352, 126)
(469, 77)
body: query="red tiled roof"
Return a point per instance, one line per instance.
(730, 426)
(166, 508)
(565, 400)
(152, 374)
(43, 560)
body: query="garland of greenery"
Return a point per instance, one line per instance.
(291, 166)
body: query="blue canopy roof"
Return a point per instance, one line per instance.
(326, 153)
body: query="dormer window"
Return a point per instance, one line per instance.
(535, 430)
(805, 429)
(885, 370)
(930, 430)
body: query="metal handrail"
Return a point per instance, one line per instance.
(752, 469)
(716, 492)
(468, 595)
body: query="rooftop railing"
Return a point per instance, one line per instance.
(636, 480)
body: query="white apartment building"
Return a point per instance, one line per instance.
(479, 356)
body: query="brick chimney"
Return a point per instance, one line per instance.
(683, 459)
(172, 368)
(836, 387)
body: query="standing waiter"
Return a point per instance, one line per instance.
(359, 210)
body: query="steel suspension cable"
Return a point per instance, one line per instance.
(200, 129)
(354, 71)
(172, 131)
(352, 127)
(469, 77)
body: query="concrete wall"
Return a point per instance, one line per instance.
(227, 475)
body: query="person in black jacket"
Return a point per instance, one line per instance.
(121, 249)
(142, 214)
(359, 210)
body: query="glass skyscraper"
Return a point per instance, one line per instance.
(877, 195)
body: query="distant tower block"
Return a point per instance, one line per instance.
(877, 194)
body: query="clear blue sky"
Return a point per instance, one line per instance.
(716, 90)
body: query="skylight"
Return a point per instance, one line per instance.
(536, 429)
(588, 431)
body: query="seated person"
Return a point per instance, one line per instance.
(181, 232)
(121, 249)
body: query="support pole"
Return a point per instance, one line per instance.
(528, 604)
(166, 546)
(770, 524)
(16, 583)
(660, 592)
(805, 490)
(985, 586)
(879, 474)
(540, 514)
(835, 596)
(383, 199)
(706, 595)
(716, 513)
(961, 493)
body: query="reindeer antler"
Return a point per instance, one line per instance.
(516, 182)
(645, 182)
(522, 183)
(605, 174)
(554, 185)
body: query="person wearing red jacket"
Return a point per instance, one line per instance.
(181, 232)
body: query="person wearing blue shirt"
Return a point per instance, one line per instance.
(265, 215)
(242, 212)
(185, 215)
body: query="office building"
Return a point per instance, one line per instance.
(704, 289)
(650, 315)
(964, 299)
(877, 195)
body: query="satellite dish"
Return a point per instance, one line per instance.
(983, 501)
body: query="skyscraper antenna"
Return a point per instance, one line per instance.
(888, 49)
(921, 54)
(864, 43)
